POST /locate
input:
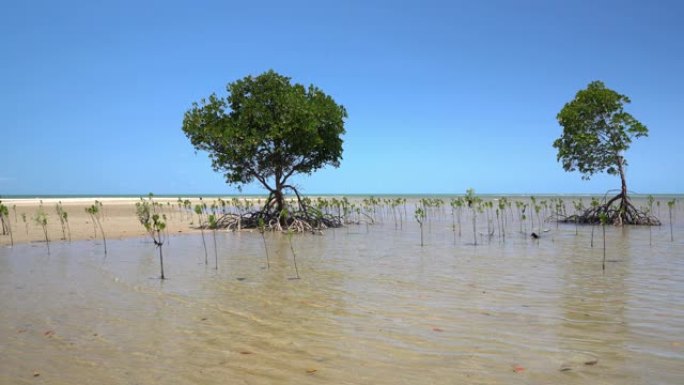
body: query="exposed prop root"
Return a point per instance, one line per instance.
(297, 222)
(622, 213)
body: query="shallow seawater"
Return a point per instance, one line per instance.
(372, 307)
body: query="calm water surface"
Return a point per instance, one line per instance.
(372, 307)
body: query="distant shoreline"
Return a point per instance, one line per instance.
(17, 197)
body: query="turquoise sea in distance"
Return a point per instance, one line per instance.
(381, 195)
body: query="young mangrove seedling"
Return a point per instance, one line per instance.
(533, 203)
(154, 225)
(94, 211)
(198, 211)
(294, 255)
(670, 207)
(6, 226)
(59, 209)
(603, 218)
(537, 210)
(23, 219)
(262, 230)
(101, 209)
(522, 207)
(420, 218)
(457, 206)
(65, 217)
(473, 203)
(213, 225)
(41, 220)
(502, 207)
(650, 201)
(579, 209)
(283, 215)
(594, 204)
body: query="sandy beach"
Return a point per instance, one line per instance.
(118, 218)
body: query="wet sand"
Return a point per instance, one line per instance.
(118, 218)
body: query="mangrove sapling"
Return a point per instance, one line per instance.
(520, 206)
(23, 219)
(198, 211)
(502, 207)
(559, 211)
(41, 220)
(458, 205)
(154, 226)
(166, 229)
(294, 255)
(394, 205)
(650, 233)
(212, 226)
(579, 208)
(523, 218)
(262, 230)
(65, 217)
(670, 207)
(594, 203)
(537, 210)
(179, 204)
(650, 200)
(420, 218)
(488, 211)
(94, 211)
(100, 209)
(284, 215)
(473, 202)
(6, 226)
(4, 222)
(498, 224)
(453, 218)
(59, 209)
(604, 219)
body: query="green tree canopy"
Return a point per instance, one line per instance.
(267, 129)
(596, 131)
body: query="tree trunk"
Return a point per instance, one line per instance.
(279, 199)
(622, 216)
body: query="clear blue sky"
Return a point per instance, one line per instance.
(441, 95)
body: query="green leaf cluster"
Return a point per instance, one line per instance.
(267, 129)
(153, 222)
(41, 218)
(596, 131)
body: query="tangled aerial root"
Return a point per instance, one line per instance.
(299, 221)
(623, 213)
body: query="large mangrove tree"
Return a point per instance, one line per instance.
(596, 133)
(268, 129)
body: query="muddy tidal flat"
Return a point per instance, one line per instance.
(371, 306)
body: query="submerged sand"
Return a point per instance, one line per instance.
(371, 306)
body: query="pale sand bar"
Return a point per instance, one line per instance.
(119, 218)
